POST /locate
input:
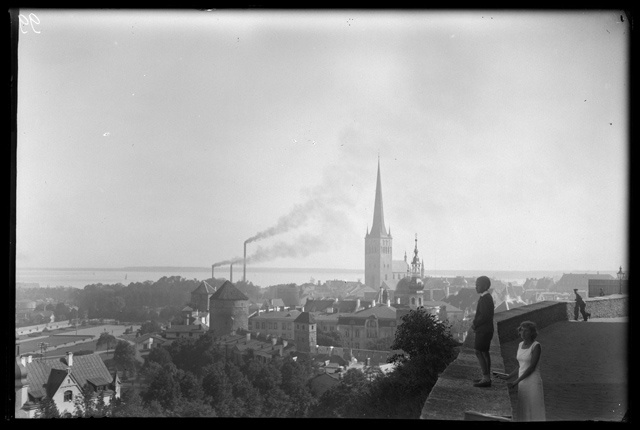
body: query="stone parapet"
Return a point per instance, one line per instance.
(454, 394)
(615, 305)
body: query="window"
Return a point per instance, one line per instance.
(357, 333)
(413, 300)
(68, 396)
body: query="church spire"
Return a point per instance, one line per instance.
(377, 228)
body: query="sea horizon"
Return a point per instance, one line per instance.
(259, 276)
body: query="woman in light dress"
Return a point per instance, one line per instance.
(529, 381)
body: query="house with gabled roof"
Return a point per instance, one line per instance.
(62, 380)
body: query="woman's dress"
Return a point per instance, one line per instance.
(530, 393)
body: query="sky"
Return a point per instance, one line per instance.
(171, 137)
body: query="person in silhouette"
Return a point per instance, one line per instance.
(601, 292)
(581, 307)
(483, 327)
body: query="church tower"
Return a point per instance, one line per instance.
(378, 245)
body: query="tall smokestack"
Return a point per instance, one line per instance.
(244, 264)
(212, 266)
(231, 273)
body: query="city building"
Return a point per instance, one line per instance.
(360, 328)
(61, 380)
(274, 323)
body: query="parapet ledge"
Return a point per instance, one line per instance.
(454, 393)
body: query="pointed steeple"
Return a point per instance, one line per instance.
(377, 228)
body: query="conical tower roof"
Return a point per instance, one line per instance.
(228, 291)
(377, 228)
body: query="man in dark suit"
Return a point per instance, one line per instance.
(580, 306)
(483, 327)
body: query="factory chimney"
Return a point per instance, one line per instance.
(244, 264)
(231, 273)
(212, 266)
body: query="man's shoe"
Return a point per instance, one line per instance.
(482, 384)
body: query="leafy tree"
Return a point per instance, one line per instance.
(425, 343)
(47, 409)
(131, 405)
(158, 355)
(343, 400)
(330, 338)
(124, 357)
(190, 387)
(106, 339)
(165, 387)
(150, 327)
(219, 389)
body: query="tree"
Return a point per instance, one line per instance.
(106, 339)
(342, 400)
(164, 388)
(47, 409)
(218, 388)
(158, 355)
(125, 356)
(329, 338)
(425, 343)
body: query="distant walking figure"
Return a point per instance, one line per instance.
(581, 306)
(483, 327)
(601, 292)
(529, 381)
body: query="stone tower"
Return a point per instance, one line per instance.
(228, 310)
(378, 245)
(304, 332)
(201, 295)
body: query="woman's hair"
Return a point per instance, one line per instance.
(533, 329)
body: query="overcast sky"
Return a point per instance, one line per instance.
(170, 137)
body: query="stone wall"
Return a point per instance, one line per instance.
(615, 305)
(542, 313)
(454, 394)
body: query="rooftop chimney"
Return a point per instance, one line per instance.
(23, 360)
(70, 358)
(231, 272)
(212, 266)
(373, 303)
(29, 358)
(388, 302)
(357, 304)
(248, 337)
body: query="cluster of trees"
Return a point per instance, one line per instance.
(427, 349)
(197, 378)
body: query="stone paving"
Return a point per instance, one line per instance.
(584, 369)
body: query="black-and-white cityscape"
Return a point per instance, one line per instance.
(321, 214)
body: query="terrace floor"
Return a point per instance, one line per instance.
(584, 369)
